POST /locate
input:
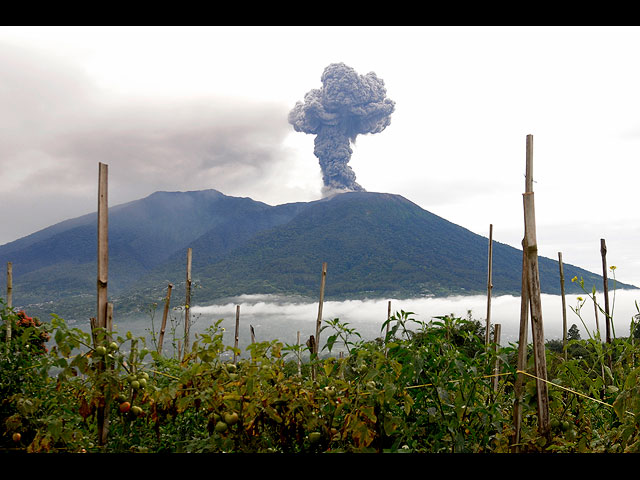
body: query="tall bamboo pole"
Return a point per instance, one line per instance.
(187, 304)
(165, 313)
(103, 244)
(603, 253)
(102, 281)
(489, 285)
(533, 282)
(564, 306)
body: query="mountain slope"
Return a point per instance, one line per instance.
(375, 244)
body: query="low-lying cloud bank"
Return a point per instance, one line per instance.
(274, 317)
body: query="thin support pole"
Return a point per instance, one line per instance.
(9, 298)
(237, 335)
(603, 253)
(496, 369)
(299, 359)
(522, 352)
(320, 305)
(386, 350)
(165, 313)
(187, 304)
(564, 306)
(9, 284)
(489, 285)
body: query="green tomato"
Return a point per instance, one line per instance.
(314, 437)
(101, 350)
(135, 384)
(221, 427)
(330, 391)
(231, 418)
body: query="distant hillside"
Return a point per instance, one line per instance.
(376, 245)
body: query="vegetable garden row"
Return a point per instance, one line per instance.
(420, 387)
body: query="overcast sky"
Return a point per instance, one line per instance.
(194, 108)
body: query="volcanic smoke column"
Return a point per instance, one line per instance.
(347, 105)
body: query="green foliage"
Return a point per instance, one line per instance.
(426, 387)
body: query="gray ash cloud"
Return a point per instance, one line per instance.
(347, 105)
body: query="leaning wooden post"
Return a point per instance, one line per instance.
(9, 297)
(237, 335)
(533, 283)
(603, 253)
(187, 304)
(165, 313)
(314, 341)
(522, 352)
(564, 306)
(320, 304)
(489, 285)
(102, 281)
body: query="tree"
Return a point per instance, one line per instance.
(573, 333)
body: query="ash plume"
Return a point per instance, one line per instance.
(347, 105)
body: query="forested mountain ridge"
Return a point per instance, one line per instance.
(375, 244)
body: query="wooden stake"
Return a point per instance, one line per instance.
(9, 284)
(320, 304)
(253, 334)
(564, 306)
(165, 313)
(533, 283)
(603, 253)
(595, 312)
(237, 334)
(314, 341)
(522, 352)
(187, 304)
(386, 351)
(489, 285)
(109, 325)
(496, 369)
(9, 298)
(299, 362)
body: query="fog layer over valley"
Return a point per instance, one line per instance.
(281, 318)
